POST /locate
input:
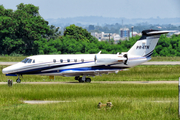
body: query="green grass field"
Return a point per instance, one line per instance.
(11, 58)
(130, 101)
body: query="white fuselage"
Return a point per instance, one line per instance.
(73, 65)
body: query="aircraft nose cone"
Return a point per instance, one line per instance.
(4, 71)
(11, 69)
(7, 70)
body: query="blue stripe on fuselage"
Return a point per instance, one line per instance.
(32, 71)
(100, 67)
(81, 69)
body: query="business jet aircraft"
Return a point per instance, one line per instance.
(83, 66)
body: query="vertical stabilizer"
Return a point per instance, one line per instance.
(146, 44)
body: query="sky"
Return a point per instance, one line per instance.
(105, 8)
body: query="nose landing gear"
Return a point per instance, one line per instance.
(18, 80)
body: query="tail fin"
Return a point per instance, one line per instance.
(146, 44)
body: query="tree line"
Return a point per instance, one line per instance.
(25, 32)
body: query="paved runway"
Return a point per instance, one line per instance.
(102, 82)
(162, 63)
(7, 63)
(146, 63)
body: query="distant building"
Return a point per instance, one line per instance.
(124, 33)
(116, 38)
(134, 34)
(106, 36)
(102, 36)
(97, 35)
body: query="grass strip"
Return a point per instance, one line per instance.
(130, 101)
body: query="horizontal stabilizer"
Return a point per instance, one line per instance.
(159, 32)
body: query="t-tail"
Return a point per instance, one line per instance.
(144, 47)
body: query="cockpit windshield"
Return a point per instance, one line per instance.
(26, 60)
(29, 61)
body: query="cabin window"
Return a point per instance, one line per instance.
(33, 61)
(82, 60)
(29, 61)
(54, 60)
(75, 60)
(61, 60)
(68, 60)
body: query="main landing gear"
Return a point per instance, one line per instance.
(83, 79)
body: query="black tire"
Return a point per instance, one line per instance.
(76, 78)
(80, 80)
(18, 80)
(88, 80)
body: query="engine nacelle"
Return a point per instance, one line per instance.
(108, 59)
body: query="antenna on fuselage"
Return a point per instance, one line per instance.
(99, 52)
(95, 57)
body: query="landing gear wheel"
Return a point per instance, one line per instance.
(10, 82)
(88, 80)
(18, 80)
(77, 78)
(80, 80)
